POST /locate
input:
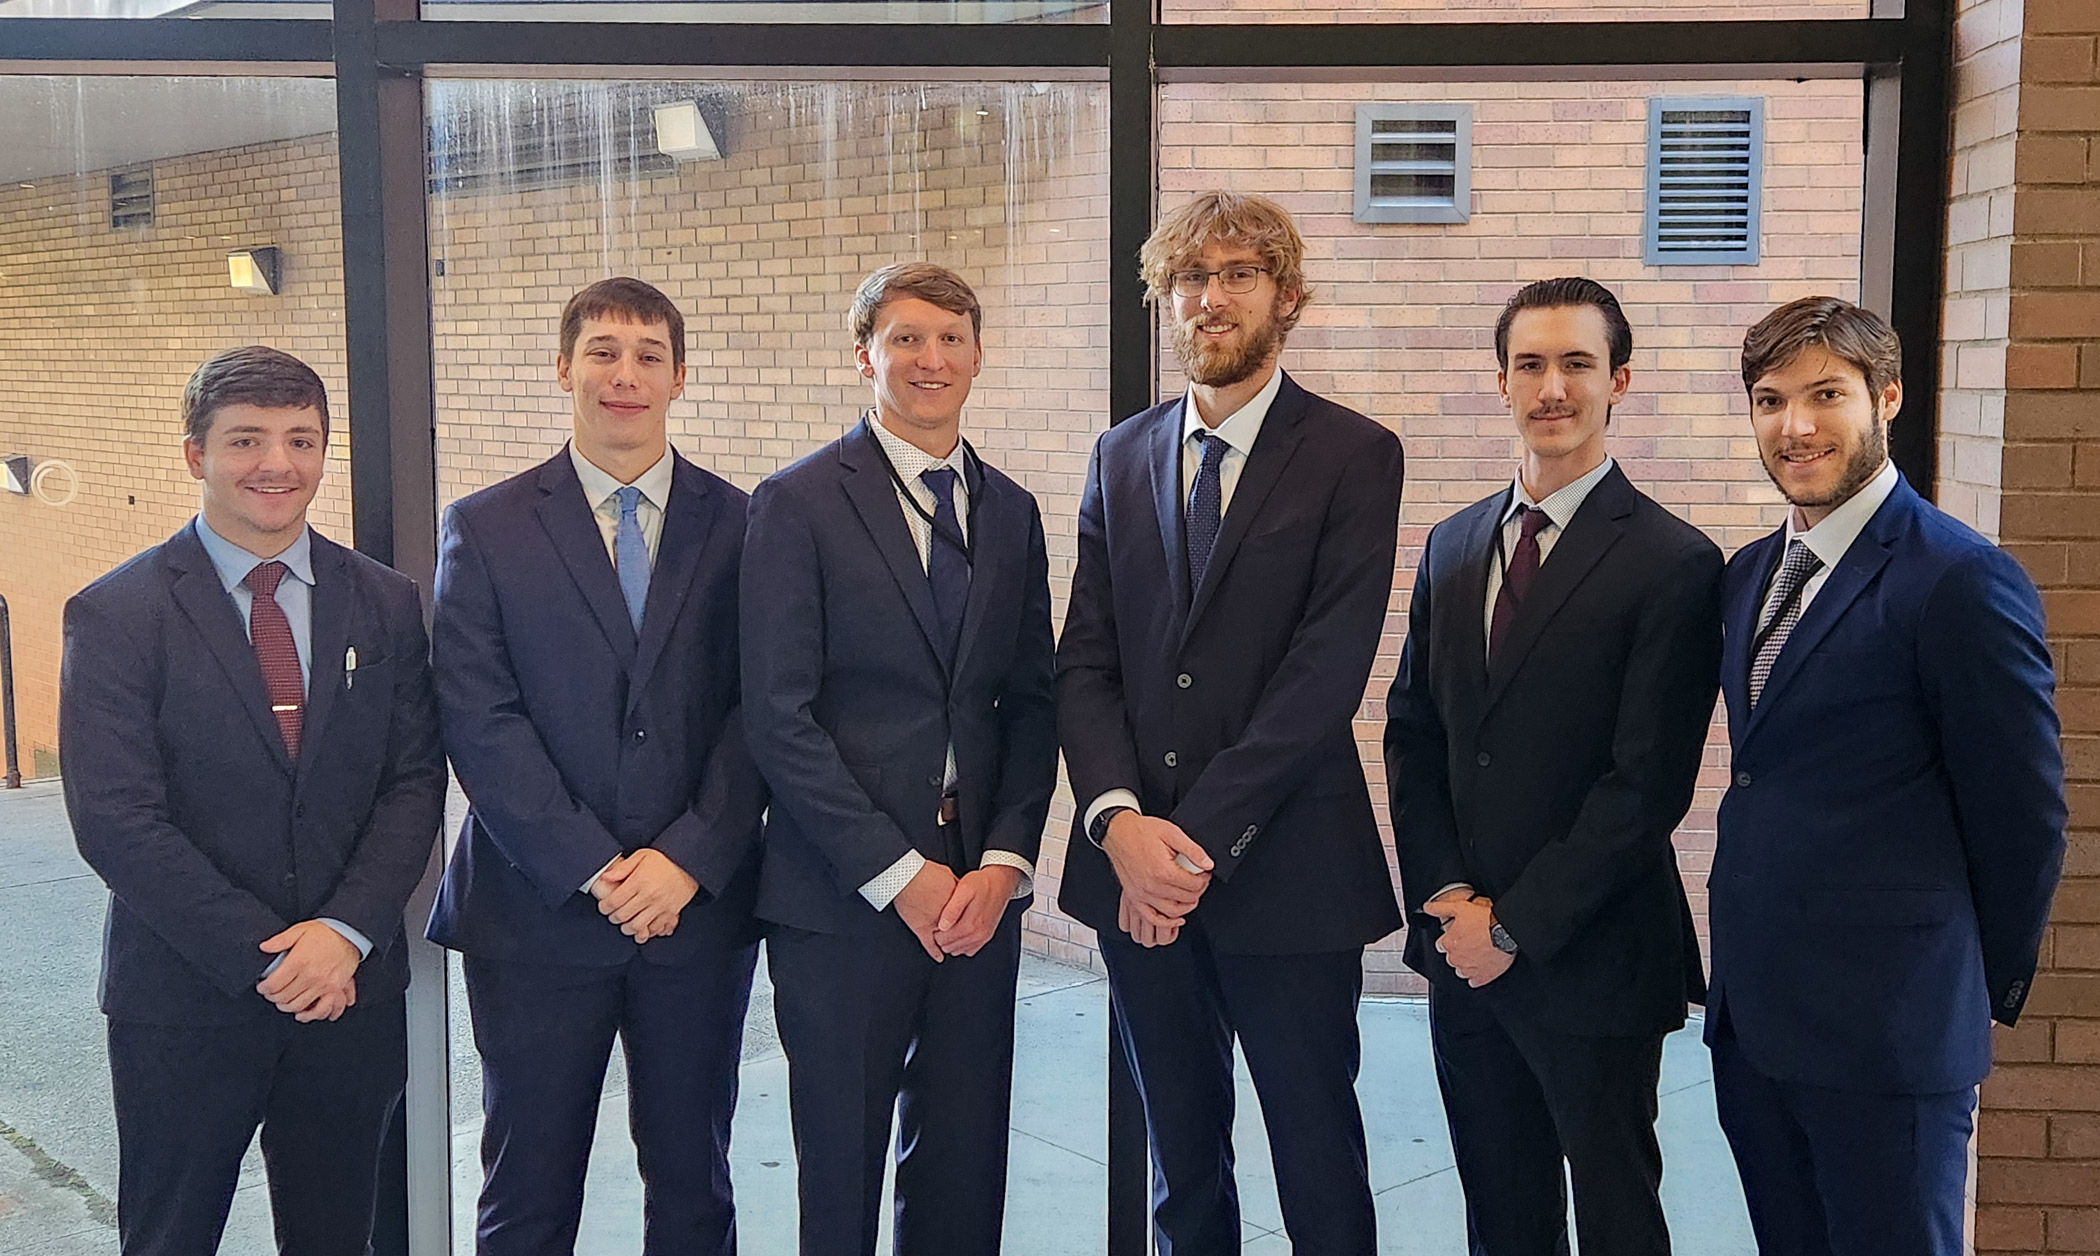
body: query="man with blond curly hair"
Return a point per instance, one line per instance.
(1235, 560)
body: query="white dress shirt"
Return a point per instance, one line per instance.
(1830, 539)
(911, 463)
(1238, 430)
(1560, 507)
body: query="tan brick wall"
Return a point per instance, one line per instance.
(102, 328)
(2038, 1185)
(1513, 11)
(1402, 324)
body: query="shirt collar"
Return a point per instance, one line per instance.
(910, 460)
(234, 563)
(655, 483)
(1835, 534)
(1562, 503)
(1240, 428)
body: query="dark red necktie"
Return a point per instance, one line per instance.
(1517, 574)
(271, 634)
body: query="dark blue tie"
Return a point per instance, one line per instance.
(1206, 502)
(947, 567)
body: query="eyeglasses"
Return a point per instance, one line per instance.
(1238, 279)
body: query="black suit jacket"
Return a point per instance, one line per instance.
(1551, 777)
(576, 741)
(852, 711)
(183, 797)
(1230, 710)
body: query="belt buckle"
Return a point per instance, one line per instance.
(950, 808)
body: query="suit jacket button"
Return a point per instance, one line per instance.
(1172, 759)
(640, 736)
(1184, 680)
(289, 881)
(1742, 780)
(934, 780)
(299, 812)
(1483, 758)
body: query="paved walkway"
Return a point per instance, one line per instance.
(59, 1177)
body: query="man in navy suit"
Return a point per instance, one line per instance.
(585, 641)
(1893, 827)
(1235, 560)
(252, 765)
(897, 652)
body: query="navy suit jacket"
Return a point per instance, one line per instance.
(1230, 710)
(1894, 826)
(852, 711)
(576, 741)
(1550, 777)
(183, 797)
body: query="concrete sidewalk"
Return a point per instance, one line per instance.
(58, 1172)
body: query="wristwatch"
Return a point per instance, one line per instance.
(1500, 937)
(1097, 832)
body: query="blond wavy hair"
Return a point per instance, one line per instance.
(1255, 222)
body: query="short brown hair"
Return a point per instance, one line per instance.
(1850, 333)
(936, 285)
(1562, 294)
(252, 375)
(628, 300)
(1229, 218)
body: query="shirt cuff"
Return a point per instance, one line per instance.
(1455, 885)
(1007, 859)
(585, 888)
(1109, 798)
(886, 887)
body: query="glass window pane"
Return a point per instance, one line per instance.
(958, 12)
(120, 202)
(1512, 11)
(758, 207)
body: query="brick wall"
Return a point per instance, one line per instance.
(2038, 1183)
(1513, 11)
(1401, 325)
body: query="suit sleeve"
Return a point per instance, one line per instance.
(109, 697)
(1319, 684)
(518, 793)
(782, 604)
(1622, 830)
(1417, 759)
(714, 838)
(1984, 664)
(1093, 725)
(1028, 716)
(394, 848)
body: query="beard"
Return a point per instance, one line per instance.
(1862, 466)
(1223, 365)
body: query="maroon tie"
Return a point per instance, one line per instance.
(271, 634)
(1517, 574)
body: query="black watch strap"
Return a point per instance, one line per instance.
(1097, 832)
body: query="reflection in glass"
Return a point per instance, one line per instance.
(957, 12)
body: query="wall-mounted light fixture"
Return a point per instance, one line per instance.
(684, 132)
(14, 473)
(253, 270)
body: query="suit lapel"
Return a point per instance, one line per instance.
(1740, 620)
(200, 595)
(334, 604)
(1279, 439)
(996, 521)
(688, 520)
(1164, 461)
(1465, 620)
(1595, 528)
(574, 531)
(872, 492)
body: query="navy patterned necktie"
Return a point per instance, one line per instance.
(1206, 508)
(947, 567)
(1782, 610)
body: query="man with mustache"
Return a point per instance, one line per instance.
(1235, 558)
(1893, 828)
(1542, 739)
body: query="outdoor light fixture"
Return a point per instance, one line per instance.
(14, 473)
(682, 132)
(253, 270)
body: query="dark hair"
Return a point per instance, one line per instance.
(629, 300)
(253, 375)
(1852, 334)
(936, 285)
(1556, 294)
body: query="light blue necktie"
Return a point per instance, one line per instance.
(631, 554)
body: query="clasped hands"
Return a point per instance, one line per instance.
(953, 915)
(1465, 941)
(643, 893)
(1153, 860)
(316, 978)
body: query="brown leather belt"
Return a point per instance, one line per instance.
(949, 808)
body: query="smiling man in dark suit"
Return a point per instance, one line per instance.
(1542, 739)
(252, 765)
(897, 652)
(1894, 824)
(1235, 559)
(585, 640)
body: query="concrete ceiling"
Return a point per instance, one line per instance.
(69, 126)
